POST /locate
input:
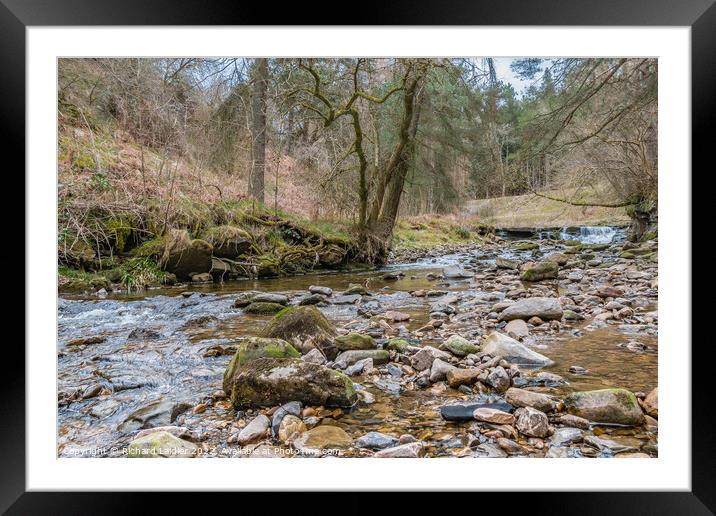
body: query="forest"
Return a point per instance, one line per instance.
(147, 146)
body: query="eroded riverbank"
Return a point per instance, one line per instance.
(159, 359)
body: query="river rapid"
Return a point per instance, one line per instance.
(128, 362)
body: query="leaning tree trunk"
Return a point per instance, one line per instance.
(258, 130)
(387, 201)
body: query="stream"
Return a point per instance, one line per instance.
(166, 349)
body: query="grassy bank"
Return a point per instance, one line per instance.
(533, 211)
(431, 230)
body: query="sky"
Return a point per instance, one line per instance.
(504, 73)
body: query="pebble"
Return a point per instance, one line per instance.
(254, 431)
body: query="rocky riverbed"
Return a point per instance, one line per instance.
(521, 348)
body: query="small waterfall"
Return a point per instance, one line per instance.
(592, 234)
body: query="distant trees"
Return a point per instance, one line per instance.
(367, 139)
(603, 126)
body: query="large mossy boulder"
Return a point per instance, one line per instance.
(498, 344)
(542, 271)
(546, 308)
(228, 241)
(185, 257)
(254, 348)
(305, 327)
(267, 382)
(608, 406)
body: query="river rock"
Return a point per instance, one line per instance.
(624, 444)
(566, 436)
(262, 308)
(290, 427)
(315, 356)
(525, 245)
(354, 341)
(181, 432)
(395, 316)
(266, 382)
(317, 289)
(457, 273)
(158, 413)
(607, 406)
(322, 438)
(506, 263)
(531, 422)
(441, 308)
(254, 431)
(609, 291)
(376, 441)
(558, 258)
(545, 308)
(517, 329)
(459, 346)
(464, 411)
(359, 367)
(457, 377)
(346, 299)
(161, 444)
(399, 345)
(257, 347)
(270, 297)
(404, 451)
(424, 358)
(244, 299)
(290, 408)
(498, 344)
(541, 271)
(510, 446)
(498, 379)
(651, 403)
(439, 370)
(311, 299)
(490, 415)
(183, 256)
(305, 327)
(573, 421)
(524, 398)
(347, 358)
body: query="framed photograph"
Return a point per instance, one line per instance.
(431, 235)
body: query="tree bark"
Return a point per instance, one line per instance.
(258, 130)
(394, 189)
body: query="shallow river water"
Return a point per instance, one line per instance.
(156, 347)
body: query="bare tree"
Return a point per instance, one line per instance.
(258, 130)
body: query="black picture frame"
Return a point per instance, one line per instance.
(700, 15)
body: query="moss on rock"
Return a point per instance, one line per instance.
(268, 382)
(541, 271)
(263, 308)
(254, 348)
(304, 327)
(354, 341)
(609, 406)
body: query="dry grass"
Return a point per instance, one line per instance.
(532, 211)
(430, 230)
